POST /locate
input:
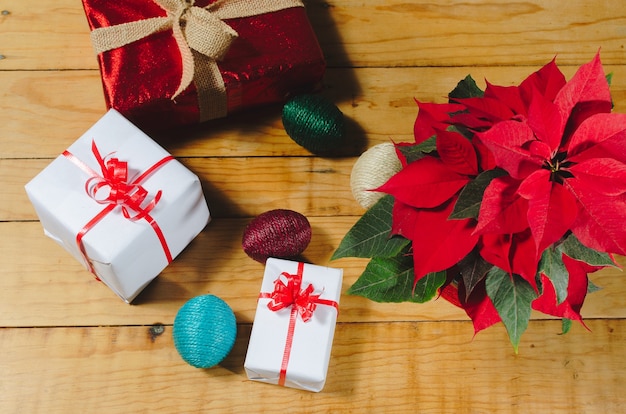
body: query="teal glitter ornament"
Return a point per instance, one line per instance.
(314, 123)
(204, 331)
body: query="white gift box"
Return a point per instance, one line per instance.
(125, 248)
(284, 349)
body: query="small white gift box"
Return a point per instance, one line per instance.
(120, 204)
(294, 325)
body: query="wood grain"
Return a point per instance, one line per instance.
(384, 367)
(234, 187)
(69, 345)
(457, 33)
(43, 112)
(382, 33)
(213, 263)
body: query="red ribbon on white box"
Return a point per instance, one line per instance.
(130, 196)
(302, 302)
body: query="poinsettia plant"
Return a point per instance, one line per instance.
(507, 200)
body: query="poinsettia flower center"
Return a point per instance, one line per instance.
(558, 167)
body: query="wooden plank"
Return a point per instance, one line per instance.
(42, 285)
(423, 367)
(70, 345)
(65, 45)
(45, 111)
(234, 187)
(458, 33)
(368, 33)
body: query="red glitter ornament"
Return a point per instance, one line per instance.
(276, 233)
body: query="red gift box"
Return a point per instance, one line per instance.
(174, 62)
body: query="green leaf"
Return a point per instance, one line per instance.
(592, 287)
(473, 269)
(391, 280)
(468, 203)
(576, 250)
(512, 298)
(466, 88)
(414, 152)
(551, 264)
(370, 236)
(427, 287)
(609, 79)
(466, 132)
(566, 324)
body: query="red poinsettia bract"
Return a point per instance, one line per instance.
(562, 158)
(561, 179)
(425, 192)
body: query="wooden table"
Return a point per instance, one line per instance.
(69, 345)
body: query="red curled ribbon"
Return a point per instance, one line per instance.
(130, 196)
(302, 302)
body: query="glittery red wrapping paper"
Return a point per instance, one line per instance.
(276, 55)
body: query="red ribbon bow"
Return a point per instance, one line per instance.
(286, 295)
(121, 192)
(129, 195)
(302, 302)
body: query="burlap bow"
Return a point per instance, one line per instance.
(195, 29)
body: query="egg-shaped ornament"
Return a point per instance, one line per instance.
(371, 170)
(279, 233)
(204, 331)
(314, 122)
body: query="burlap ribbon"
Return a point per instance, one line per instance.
(202, 37)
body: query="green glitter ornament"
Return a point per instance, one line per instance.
(314, 123)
